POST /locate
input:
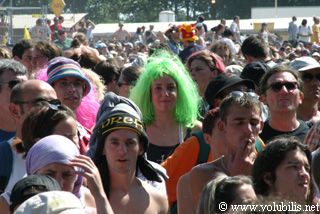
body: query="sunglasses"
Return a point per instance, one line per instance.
(277, 86)
(307, 77)
(239, 94)
(11, 83)
(53, 104)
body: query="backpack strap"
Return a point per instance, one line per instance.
(6, 161)
(204, 149)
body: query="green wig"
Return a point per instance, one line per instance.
(188, 99)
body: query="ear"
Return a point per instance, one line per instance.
(216, 103)
(267, 178)
(221, 125)
(301, 97)
(207, 138)
(141, 149)
(15, 111)
(263, 98)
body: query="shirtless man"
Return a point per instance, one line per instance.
(120, 151)
(239, 125)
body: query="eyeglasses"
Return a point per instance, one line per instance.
(11, 83)
(239, 94)
(307, 77)
(54, 104)
(277, 86)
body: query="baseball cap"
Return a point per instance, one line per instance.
(304, 63)
(53, 202)
(222, 82)
(254, 71)
(30, 186)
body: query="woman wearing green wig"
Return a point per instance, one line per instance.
(169, 102)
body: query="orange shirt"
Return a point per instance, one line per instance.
(180, 162)
(183, 160)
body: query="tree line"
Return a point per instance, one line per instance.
(110, 11)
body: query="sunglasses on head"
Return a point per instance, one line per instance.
(277, 86)
(307, 77)
(239, 94)
(11, 83)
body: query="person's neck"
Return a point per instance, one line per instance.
(284, 122)
(251, 59)
(164, 119)
(122, 182)
(307, 110)
(19, 132)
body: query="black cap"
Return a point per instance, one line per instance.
(30, 186)
(222, 82)
(254, 71)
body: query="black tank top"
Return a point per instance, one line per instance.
(158, 154)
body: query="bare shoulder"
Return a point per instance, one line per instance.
(184, 195)
(205, 171)
(200, 175)
(4, 206)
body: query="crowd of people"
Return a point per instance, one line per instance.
(179, 121)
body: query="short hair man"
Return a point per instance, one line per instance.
(22, 52)
(235, 28)
(11, 72)
(121, 35)
(309, 69)
(293, 31)
(191, 151)
(239, 125)
(24, 96)
(281, 92)
(63, 41)
(256, 52)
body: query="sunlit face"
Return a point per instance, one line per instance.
(39, 60)
(68, 128)
(284, 100)
(164, 94)
(293, 177)
(201, 74)
(26, 59)
(311, 85)
(33, 93)
(69, 91)
(122, 148)
(244, 194)
(241, 127)
(5, 91)
(64, 174)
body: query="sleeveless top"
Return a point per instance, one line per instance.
(158, 153)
